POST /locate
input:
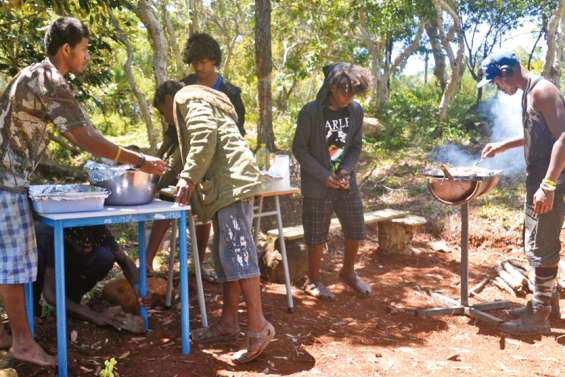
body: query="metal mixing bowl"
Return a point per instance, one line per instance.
(461, 188)
(133, 187)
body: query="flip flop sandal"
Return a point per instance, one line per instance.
(207, 335)
(356, 283)
(319, 290)
(264, 337)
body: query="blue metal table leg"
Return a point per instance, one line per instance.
(29, 307)
(60, 301)
(183, 286)
(142, 272)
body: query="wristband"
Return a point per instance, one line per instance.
(546, 187)
(549, 182)
(117, 157)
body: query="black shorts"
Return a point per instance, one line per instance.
(317, 214)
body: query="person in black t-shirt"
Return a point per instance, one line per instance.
(327, 145)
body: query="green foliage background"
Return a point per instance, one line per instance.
(305, 36)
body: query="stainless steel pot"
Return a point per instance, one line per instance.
(464, 184)
(133, 187)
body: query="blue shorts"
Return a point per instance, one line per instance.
(234, 251)
(18, 251)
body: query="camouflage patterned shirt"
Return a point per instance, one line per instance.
(36, 97)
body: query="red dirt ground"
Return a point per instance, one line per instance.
(349, 337)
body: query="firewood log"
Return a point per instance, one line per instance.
(519, 266)
(476, 289)
(503, 286)
(513, 282)
(515, 272)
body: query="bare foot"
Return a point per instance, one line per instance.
(31, 352)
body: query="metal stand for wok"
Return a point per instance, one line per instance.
(462, 307)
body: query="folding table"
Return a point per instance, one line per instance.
(156, 210)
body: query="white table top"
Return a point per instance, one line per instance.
(156, 206)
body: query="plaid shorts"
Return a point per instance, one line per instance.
(18, 250)
(234, 251)
(317, 214)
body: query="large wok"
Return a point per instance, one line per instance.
(458, 185)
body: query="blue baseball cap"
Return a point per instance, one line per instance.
(493, 64)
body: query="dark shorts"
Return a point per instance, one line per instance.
(234, 251)
(317, 215)
(541, 232)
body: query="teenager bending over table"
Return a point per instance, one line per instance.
(203, 53)
(221, 177)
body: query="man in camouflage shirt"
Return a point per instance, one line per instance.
(37, 96)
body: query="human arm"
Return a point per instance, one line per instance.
(89, 139)
(492, 149)
(63, 110)
(548, 101)
(301, 149)
(77, 310)
(239, 107)
(352, 154)
(127, 265)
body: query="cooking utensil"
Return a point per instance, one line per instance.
(127, 186)
(446, 172)
(466, 183)
(67, 198)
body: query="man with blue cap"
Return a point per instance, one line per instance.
(543, 119)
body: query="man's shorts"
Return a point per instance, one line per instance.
(234, 251)
(541, 232)
(18, 250)
(317, 214)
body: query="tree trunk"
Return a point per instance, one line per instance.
(146, 12)
(456, 61)
(426, 62)
(437, 51)
(193, 28)
(176, 52)
(453, 85)
(141, 101)
(264, 66)
(382, 65)
(555, 37)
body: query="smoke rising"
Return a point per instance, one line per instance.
(505, 115)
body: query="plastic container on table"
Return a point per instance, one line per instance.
(67, 198)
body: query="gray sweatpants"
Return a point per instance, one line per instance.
(541, 236)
